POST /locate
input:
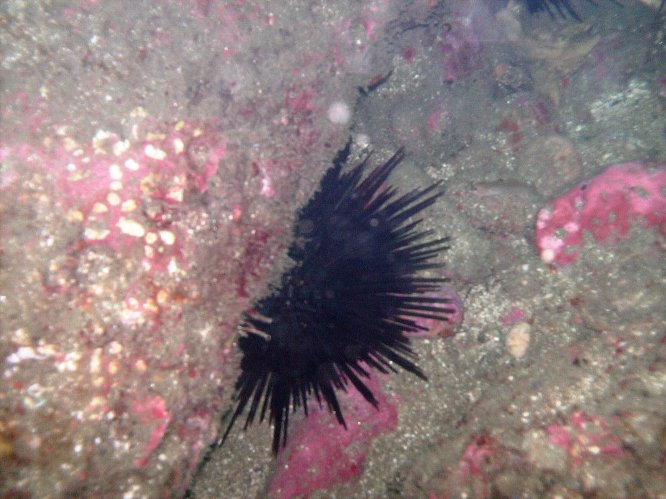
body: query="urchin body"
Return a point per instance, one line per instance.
(348, 303)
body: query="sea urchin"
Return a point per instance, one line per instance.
(349, 302)
(563, 7)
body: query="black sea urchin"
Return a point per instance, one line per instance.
(563, 7)
(347, 304)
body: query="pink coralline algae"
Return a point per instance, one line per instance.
(151, 411)
(512, 316)
(477, 455)
(584, 436)
(320, 453)
(605, 207)
(121, 190)
(162, 167)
